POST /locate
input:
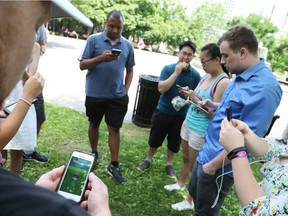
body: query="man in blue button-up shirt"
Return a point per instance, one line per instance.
(254, 94)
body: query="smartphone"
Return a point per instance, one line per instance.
(178, 86)
(74, 180)
(116, 51)
(200, 106)
(8, 109)
(229, 113)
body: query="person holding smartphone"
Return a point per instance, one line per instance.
(211, 86)
(254, 95)
(106, 56)
(270, 195)
(166, 120)
(19, 197)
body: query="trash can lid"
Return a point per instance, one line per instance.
(149, 77)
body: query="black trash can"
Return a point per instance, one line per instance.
(146, 100)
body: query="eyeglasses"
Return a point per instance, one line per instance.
(203, 62)
(189, 55)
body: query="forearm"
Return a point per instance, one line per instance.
(212, 166)
(12, 123)
(35, 60)
(165, 85)
(246, 185)
(90, 63)
(128, 79)
(255, 145)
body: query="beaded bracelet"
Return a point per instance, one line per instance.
(235, 151)
(240, 154)
(25, 101)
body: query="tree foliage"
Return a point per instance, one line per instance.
(265, 32)
(166, 21)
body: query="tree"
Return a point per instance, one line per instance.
(265, 32)
(261, 25)
(207, 23)
(279, 55)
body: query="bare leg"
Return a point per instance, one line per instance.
(185, 169)
(93, 134)
(170, 156)
(16, 161)
(150, 153)
(114, 142)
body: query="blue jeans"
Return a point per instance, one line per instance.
(202, 187)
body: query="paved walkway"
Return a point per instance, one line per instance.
(65, 82)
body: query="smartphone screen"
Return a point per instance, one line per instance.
(199, 106)
(75, 177)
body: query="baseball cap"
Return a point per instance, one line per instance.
(63, 8)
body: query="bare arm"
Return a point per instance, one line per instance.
(255, 145)
(245, 183)
(33, 66)
(128, 78)
(10, 126)
(165, 85)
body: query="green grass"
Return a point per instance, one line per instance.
(143, 192)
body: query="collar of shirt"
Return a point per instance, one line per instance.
(105, 38)
(245, 75)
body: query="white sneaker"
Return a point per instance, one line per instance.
(175, 186)
(182, 206)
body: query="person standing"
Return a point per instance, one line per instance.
(166, 121)
(253, 94)
(106, 95)
(41, 38)
(212, 87)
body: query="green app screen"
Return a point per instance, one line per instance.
(75, 177)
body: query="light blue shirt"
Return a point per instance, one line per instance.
(106, 80)
(196, 120)
(189, 78)
(254, 96)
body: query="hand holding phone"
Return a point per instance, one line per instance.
(116, 52)
(75, 177)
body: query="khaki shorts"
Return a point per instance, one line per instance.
(194, 139)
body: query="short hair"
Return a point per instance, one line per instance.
(240, 36)
(188, 43)
(213, 51)
(115, 14)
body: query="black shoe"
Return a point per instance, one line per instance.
(96, 160)
(282, 141)
(144, 165)
(115, 172)
(170, 171)
(35, 156)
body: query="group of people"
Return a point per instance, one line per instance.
(214, 149)
(254, 95)
(19, 197)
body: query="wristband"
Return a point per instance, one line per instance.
(25, 101)
(239, 154)
(235, 151)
